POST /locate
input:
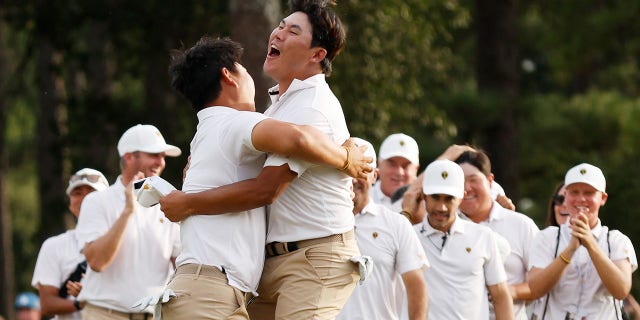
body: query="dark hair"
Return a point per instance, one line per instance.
(196, 72)
(327, 29)
(478, 159)
(551, 213)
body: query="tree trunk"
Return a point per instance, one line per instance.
(7, 283)
(497, 54)
(50, 130)
(262, 16)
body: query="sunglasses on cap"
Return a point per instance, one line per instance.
(93, 178)
(558, 199)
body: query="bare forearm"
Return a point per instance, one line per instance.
(521, 291)
(615, 277)
(417, 297)
(301, 142)
(541, 281)
(100, 252)
(501, 300)
(52, 304)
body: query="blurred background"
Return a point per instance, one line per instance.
(540, 85)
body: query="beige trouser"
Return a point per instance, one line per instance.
(203, 293)
(310, 283)
(93, 312)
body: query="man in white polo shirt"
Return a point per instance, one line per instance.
(583, 265)
(61, 264)
(519, 230)
(397, 253)
(222, 254)
(129, 248)
(398, 164)
(464, 257)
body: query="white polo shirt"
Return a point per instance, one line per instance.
(379, 197)
(318, 202)
(519, 230)
(142, 265)
(389, 239)
(59, 256)
(460, 273)
(580, 292)
(222, 153)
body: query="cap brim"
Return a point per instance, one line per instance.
(454, 192)
(386, 156)
(96, 186)
(169, 150)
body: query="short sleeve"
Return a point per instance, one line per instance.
(410, 255)
(622, 248)
(92, 222)
(494, 268)
(47, 271)
(541, 251)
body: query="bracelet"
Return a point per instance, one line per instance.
(407, 214)
(565, 259)
(76, 304)
(348, 162)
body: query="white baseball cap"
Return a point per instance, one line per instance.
(87, 177)
(400, 145)
(586, 173)
(145, 138)
(370, 152)
(443, 177)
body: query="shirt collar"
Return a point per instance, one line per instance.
(371, 208)
(296, 85)
(427, 230)
(496, 213)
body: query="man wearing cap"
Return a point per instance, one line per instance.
(129, 248)
(464, 256)
(519, 230)
(583, 266)
(61, 265)
(398, 164)
(27, 306)
(397, 253)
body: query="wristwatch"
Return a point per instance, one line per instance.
(76, 304)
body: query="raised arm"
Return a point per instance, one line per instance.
(615, 275)
(310, 144)
(100, 252)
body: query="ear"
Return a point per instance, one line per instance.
(227, 77)
(319, 54)
(605, 196)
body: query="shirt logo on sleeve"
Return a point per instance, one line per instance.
(468, 249)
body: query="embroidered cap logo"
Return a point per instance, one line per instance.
(444, 175)
(583, 171)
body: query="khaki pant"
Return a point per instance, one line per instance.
(309, 283)
(93, 312)
(203, 293)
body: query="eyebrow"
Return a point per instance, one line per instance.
(293, 26)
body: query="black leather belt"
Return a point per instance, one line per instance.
(273, 249)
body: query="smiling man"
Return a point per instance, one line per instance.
(398, 166)
(464, 256)
(583, 265)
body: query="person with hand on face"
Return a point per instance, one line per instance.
(61, 265)
(582, 266)
(218, 264)
(465, 260)
(398, 163)
(129, 248)
(388, 238)
(519, 230)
